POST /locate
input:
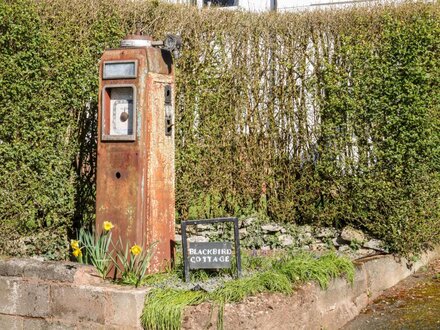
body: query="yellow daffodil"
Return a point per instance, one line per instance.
(107, 225)
(135, 250)
(74, 244)
(77, 253)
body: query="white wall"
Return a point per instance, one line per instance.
(254, 5)
(249, 5)
(295, 5)
(286, 5)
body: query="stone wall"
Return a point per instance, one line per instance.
(37, 294)
(264, 236)
(311, 307)
(62, 295)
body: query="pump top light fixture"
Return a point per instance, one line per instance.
(172, 43)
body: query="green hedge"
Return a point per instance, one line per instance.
(325, 118)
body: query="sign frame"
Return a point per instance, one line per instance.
(186, 223)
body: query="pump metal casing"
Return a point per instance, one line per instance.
(135, 175)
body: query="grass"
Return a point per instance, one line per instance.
(305, 267)
(164, 307)
(278, 273)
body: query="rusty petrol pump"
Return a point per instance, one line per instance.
(135, 160)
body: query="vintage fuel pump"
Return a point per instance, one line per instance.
(135, 160)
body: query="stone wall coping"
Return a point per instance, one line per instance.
(60, 271)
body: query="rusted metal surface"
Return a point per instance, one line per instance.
(135, 179)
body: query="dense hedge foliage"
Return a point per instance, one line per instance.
(326, 118)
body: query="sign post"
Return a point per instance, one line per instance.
(210, 255)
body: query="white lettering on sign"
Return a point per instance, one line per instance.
(210, 255)
(209, 251)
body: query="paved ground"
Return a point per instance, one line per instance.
(412, 304)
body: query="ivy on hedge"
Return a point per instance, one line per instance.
(326, 117)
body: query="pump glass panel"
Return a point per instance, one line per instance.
(118, 70)
(121, 105)
(119, 113)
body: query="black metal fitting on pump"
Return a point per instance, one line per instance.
(172, 43)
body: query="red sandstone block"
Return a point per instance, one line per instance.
(25, 298)
(41, 324)
(48, 270)
(11, 322)
(125, 307)
(79, 303)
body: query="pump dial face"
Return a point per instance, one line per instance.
(121, 107)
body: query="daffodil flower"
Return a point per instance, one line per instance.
(135, 250)
(74, 244)
(107, 225)
(77, 253)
